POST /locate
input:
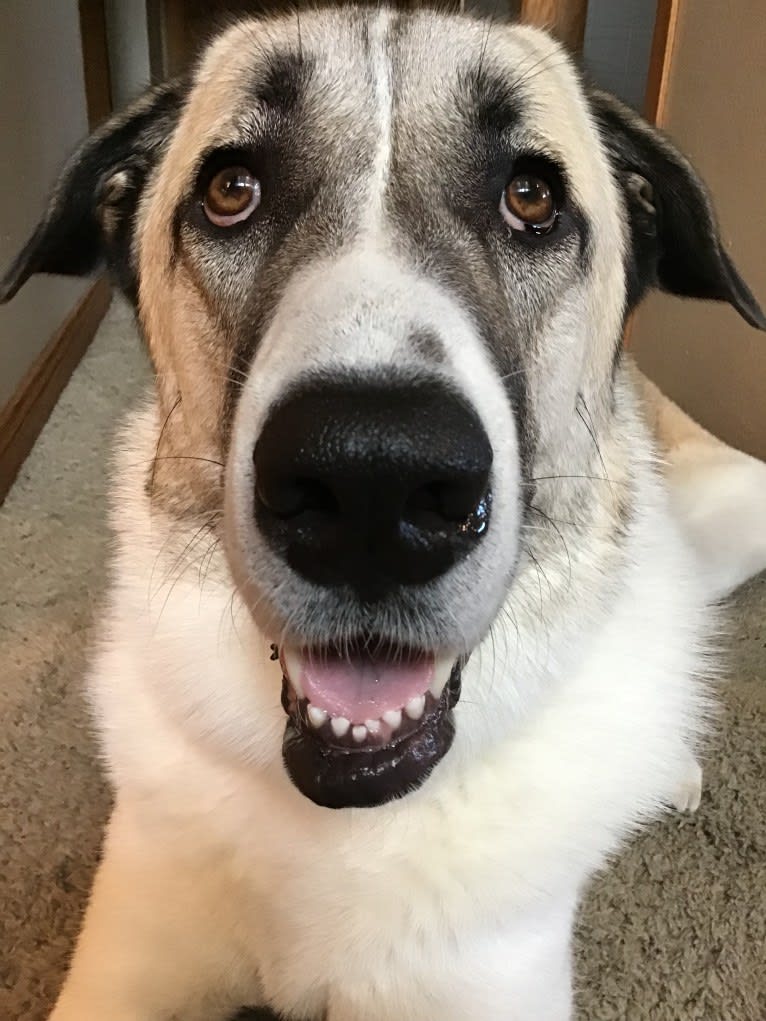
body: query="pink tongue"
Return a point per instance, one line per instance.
(363, 689)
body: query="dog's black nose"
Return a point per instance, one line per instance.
(372, 484)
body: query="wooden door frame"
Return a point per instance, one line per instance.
(95, 60)
(663, 45)
(564, 18)
(167, 37)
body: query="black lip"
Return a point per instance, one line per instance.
(342, 777)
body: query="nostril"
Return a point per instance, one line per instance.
(422, 508)
(290, 497)
(316, 495)
(436, 504)
(460, 499)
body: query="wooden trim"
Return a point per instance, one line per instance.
(155, 34)
(170, 45)
(565, 18)
(27, 411)
(655, 101)
(95, 61)
(663, 44)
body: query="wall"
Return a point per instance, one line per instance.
(42, 117)
(617, 46)
(128, 49)
(702, 353)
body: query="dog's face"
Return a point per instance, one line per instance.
(382, 263)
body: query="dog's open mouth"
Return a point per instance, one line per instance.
(368, 725)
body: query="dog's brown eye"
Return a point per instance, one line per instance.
(231, 196)
(528, 203)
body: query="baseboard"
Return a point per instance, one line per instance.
(23, 417)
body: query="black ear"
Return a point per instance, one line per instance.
(676, 244)
(91, 212)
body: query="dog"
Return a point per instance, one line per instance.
(404, 638)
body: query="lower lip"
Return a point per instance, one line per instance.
(333, 776)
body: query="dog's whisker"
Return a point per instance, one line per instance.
(540, 571)
(592, 433)
(165, 424)
(300, 37)
(512, 375)
(185, 457)
(485, 42)
(563, 60)
(182, 558)
(588, 478)
(173, 531)
(555, 526)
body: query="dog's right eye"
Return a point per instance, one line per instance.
(528, 204)
(232, 195)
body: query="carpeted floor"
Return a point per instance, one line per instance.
(676, 931)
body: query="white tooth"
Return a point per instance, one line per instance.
(373, 726)
(339, 726)
(359, 733)
(442, 671)
(393, 717)
(317, 716)
(415, 706)
(293, 665)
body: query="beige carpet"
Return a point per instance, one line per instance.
(675, 932)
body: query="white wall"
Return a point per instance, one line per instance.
(42, 117)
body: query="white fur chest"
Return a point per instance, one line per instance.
(480, 865)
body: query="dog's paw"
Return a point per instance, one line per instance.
(688, 794)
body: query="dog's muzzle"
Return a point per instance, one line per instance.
(369, 488)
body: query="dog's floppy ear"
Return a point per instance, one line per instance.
(91, 211)
(676, 244)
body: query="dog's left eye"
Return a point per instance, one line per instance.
(231, 196)
(528, 204)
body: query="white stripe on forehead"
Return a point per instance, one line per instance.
(382, 77)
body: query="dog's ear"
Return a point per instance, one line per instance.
(675, 242)
(90, 217)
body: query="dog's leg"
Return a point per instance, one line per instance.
(156, 943)
(717, 493)
(552, 1003)
(522, 974)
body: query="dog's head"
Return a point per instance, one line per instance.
(382, 263)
